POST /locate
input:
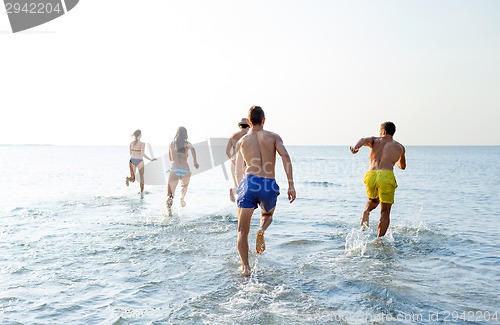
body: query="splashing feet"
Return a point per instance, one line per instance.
(169, 206)
(246, 271)
(260, 245)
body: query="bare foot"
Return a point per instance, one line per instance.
(246, 271)
(260, 245)
(126, 181)
(364, 226)
(183, 203)
(231, 195)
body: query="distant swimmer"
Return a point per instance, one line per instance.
(136, 149)
(231, 153)
(258, 150)
(379, 179)
(178, 153)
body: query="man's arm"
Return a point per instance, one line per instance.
(402, 160)
(240, 166)
(362, 142)
(229, 147)
(287, 165)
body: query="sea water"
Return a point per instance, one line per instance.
(78, 247)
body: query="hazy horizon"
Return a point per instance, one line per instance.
(325, 72)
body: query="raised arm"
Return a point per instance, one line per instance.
(362, 142)
(287, 165)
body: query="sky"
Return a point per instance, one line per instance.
(325, 72)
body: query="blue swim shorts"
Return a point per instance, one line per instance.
(254, 190)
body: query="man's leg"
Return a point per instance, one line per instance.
(265, 222)
(244, 217)
(370, 205)
(383, 224)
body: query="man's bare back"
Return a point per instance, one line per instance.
(258, 150)
(379, 179)
(385, 153)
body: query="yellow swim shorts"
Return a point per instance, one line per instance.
(381, 184)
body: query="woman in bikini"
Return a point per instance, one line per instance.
(178, 153)
(136, 149)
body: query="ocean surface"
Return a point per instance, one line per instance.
(78, 247)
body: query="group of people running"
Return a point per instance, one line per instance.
(252, 151)
(178, 154)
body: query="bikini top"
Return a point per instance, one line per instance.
(139, 150)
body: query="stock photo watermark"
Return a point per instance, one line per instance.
(442, 316)
(26, 14)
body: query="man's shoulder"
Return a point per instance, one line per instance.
(238, 135)
(272, 134)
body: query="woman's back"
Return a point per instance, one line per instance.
(136, 149)
(179, 155)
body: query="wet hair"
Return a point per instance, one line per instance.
(180, 139)
(389, 127)
(256, 115)
(136, 135)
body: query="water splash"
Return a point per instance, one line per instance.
(356, 242)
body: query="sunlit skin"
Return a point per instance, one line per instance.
(231, 154)
(179, 159)
(257, 149)
(136, 150)
(384, 154)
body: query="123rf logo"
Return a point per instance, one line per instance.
(26, 14)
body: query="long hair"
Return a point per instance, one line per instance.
(180, 139)
(136, 135)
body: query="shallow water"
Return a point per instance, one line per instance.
(76, 246)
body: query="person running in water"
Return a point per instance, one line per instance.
(258, 150)
(136, 149)
(379, 179)
(231, 153)
(178, 153)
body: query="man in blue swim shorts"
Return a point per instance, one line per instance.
(379, 179)
(258, 150)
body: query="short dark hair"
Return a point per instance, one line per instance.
(256, 115)
(389, 127)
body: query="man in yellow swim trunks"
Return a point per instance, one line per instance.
(379, 179)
